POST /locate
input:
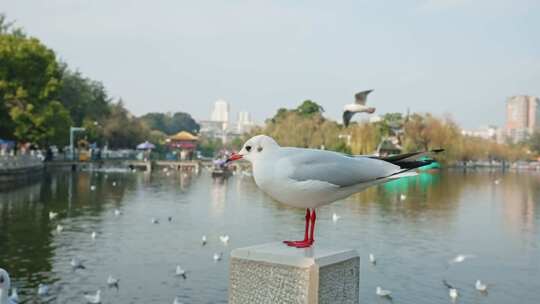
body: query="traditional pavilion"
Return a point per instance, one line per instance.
(185, 142)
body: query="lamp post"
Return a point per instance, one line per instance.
(71, 131)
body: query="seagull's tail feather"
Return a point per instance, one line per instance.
(409, 161)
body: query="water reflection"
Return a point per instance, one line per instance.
(412, 225)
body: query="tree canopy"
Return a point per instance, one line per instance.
(171, 123)
(29, 84)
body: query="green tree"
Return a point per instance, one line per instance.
(171, 123)
(534, 142)
(29, 82)
(123, 130)
(308, 108)
(85, 99)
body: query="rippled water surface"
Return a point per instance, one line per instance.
(490, 215)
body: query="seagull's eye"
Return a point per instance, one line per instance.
(1, 279)
(248, 148)
(259, 149)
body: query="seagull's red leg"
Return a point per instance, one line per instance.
(308, 243)
(306, 233)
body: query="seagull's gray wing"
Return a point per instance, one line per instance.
(360, 98)
(335, 168)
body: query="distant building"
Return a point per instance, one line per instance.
(221, 113)
(489, 132)
(244, 123)
(185, 142)
(522, 116)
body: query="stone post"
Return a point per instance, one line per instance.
(276, 273)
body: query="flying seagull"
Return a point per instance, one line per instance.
(310, 178)
(358, 106)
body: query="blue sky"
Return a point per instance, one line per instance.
(450, 57)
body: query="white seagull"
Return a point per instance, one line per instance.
(218, 256)
(114, 184)
(402, 197)
(335, 217)
(93, 298)
(112, 281)
(117, 212)
(382, 292)
(309, 178)
(372, 259)
(452, 291)
(155, 220)
(180, 272)
(76, 263)
(59, 228)
(461, 258)
(92, 188)
(480, 286)
(358, 106)
(52, 215)
(224, 239)
(94, 235)
(43, 290)
(203, 240)
(5, 285)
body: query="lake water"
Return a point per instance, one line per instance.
(494, 216)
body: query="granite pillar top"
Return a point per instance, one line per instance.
(279, 253)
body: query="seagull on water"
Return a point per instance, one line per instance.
(218, 256)
(203, 240)
(76, 263)
(93, 298)
(402, 197)
(452, 291)
(358, 106)
(92, 188)
(335, 217)
(372, 259)
(94, 235)
(5, 285)
(114, 184)
(480, 286)
(310, 178)
(59, 228)
(117, 212)
(112, 281)
(224, 239)
(52, 215)
(155, 220)
(180, 272)
(43, 290)
(461, 257)
(383, 292)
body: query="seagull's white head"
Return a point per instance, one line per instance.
(255, 148)
(5, 283)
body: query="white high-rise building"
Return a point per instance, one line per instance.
(244, 123)
(221, 112)
(522, 116)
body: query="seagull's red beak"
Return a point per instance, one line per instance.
(234, 156)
